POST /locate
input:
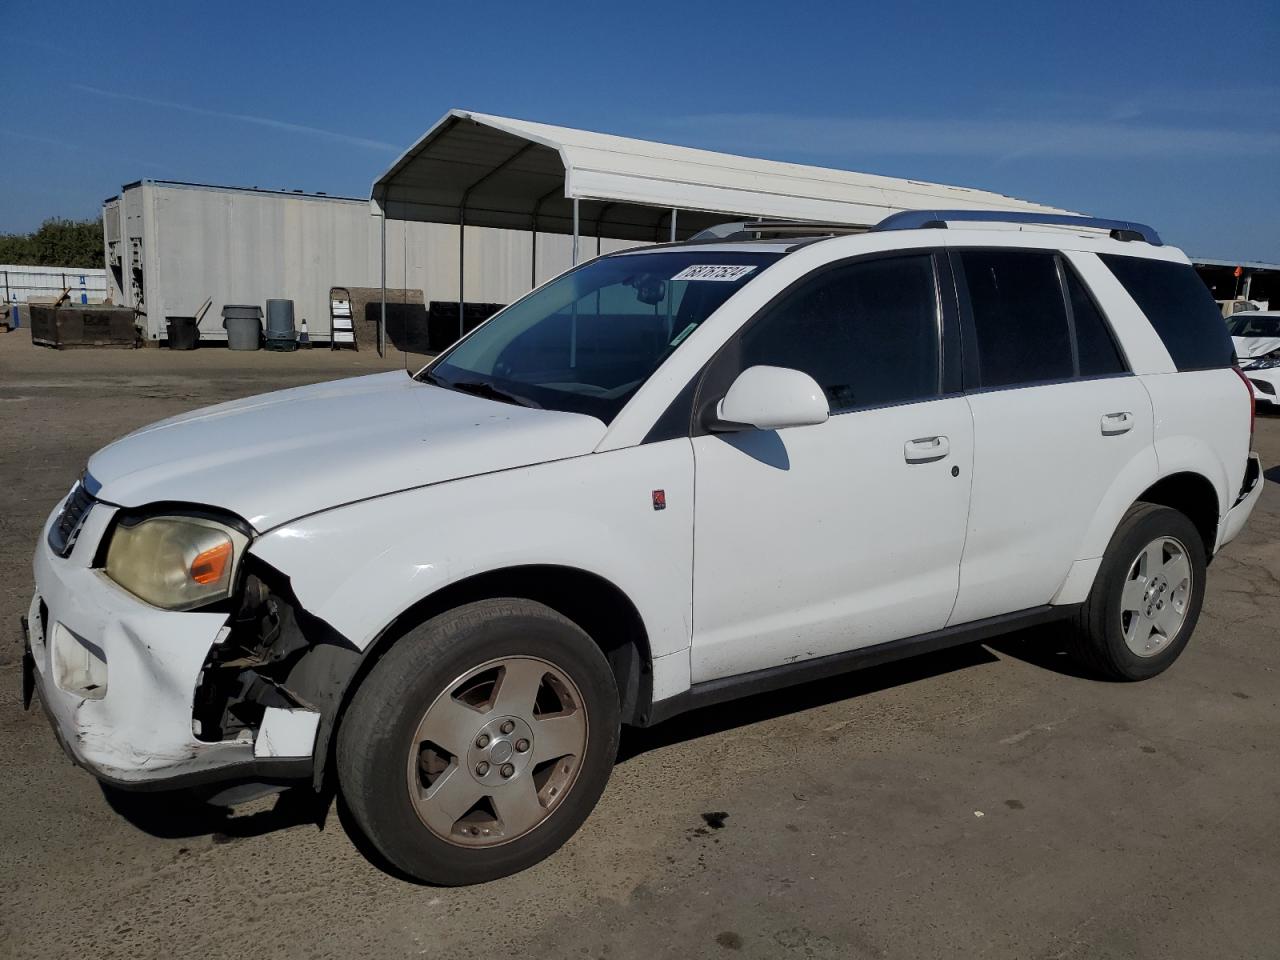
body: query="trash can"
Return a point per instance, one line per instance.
(184, 333)
(280, 333)
(243, 323)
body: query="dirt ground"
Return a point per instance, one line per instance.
(987, 801)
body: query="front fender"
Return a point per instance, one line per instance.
(358, 567)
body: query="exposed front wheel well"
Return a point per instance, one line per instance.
(1192, 495)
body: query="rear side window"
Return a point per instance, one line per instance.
(1019, 317)
(1095, 345)
(1180, 308)
(866, 331)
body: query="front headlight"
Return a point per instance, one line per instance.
(175, 562)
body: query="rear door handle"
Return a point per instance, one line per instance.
(927, 449)
(1116, 423)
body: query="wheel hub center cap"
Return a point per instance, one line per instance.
(501, 751)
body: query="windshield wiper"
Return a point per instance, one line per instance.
(482, 388)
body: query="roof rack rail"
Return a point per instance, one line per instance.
(921, 219)
(759, 229)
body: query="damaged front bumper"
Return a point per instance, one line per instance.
(117, 679)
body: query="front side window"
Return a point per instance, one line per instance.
(866, 331)
(1019, 317)
(587, 341)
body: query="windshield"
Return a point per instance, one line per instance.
(1246, 325)
(585, 342)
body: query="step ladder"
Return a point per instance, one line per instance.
(342, 331)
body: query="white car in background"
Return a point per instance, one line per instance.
(1256, 335)
(672, 476)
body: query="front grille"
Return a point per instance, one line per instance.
(1263, 386)
(63, 533)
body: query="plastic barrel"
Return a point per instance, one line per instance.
(280, 320)
(243, 323)
(184, 333)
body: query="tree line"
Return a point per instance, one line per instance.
(58, 243)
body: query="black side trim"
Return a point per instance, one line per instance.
(676, 419)
(952, 348)
(711, 692)
(276, 771)
(1252, 473)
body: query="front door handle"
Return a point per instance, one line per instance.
(1116, 423)
(927, 449)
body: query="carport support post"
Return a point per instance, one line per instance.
(674, 212)
(382, 322)
(575, 231)
(533, 258)
(462, 262)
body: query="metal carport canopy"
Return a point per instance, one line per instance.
(483, 170)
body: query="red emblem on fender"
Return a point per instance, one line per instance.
(659, 499)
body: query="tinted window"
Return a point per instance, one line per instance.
(1254, 325)
(866, 331)
(586, 341)
(1094, 343)
(1019, 316)
(1180, 307)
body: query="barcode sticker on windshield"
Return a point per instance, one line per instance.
(726, 272)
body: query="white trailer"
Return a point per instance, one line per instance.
(170, 245)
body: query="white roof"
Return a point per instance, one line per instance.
(511, 173)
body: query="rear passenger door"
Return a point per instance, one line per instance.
(1057, 417)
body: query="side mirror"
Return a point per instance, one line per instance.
(771, 398)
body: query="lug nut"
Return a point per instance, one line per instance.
(507, 770)
(522, 746)
(508, 726)
(482, 741)
(482, 768)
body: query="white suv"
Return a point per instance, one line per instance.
(669, 477)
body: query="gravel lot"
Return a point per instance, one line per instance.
(986, 801)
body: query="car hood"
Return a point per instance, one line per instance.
(279, 456)
(1255, 346)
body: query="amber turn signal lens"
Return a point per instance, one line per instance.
(209, 567)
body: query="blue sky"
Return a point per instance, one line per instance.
(1165, 112)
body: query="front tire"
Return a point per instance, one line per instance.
(480, 742)
(1146, 598)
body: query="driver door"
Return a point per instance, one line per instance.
(821, 539)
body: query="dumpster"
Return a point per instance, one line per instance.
(82, 325)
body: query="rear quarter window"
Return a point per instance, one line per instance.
(1180, 308)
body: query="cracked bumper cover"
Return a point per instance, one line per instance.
(135, 731)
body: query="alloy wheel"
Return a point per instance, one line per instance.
(497, 751)
(1155, 597)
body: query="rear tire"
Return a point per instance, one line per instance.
(1146, 598)
(480, 742)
